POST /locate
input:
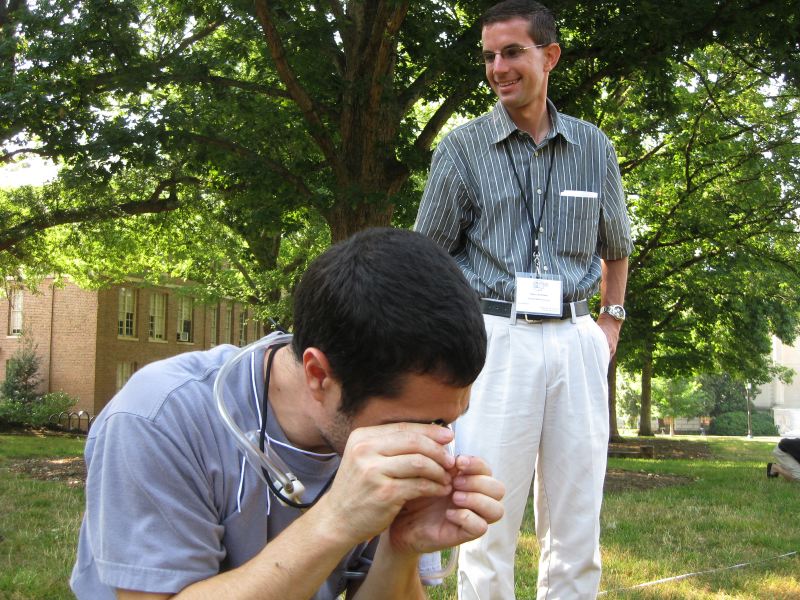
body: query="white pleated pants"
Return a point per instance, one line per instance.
(540, 403)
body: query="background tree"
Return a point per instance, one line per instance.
(680, 397)
(715, 223)
(21, 384)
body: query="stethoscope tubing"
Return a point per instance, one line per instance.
(270, 462)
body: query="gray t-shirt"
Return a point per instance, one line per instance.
(169, 500)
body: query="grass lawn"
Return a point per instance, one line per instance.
(710, 509)
(41, 518)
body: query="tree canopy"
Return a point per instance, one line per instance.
(227, 142)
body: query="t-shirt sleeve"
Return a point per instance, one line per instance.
(151, 519)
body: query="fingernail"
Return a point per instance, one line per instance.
(459, 496)
(459, 481)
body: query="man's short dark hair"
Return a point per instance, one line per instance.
(541, 22)
(384, 304)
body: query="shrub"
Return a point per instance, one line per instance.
(735, 423)
(22, 374)
(35, 413)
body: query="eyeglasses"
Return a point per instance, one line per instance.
(510, 53)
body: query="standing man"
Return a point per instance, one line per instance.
(530, 204)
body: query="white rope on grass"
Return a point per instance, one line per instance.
(687, 575)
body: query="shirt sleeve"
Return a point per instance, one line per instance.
(615, 229)
(444, 210)
(151, 519)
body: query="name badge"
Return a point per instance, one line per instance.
(538, 294)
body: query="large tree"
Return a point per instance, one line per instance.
(309, 103)
(249, 120)
(716, 219)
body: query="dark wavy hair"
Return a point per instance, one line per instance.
(384, 304)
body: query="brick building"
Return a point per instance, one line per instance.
(90, 341)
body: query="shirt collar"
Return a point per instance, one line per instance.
(504, 126)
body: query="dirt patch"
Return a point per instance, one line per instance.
(71, 471)
(618, 480)
(621, 480)
(668, 447)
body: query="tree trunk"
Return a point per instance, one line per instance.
(613, 431)
(344, 219)
(647, 382)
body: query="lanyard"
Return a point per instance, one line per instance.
(537, 223)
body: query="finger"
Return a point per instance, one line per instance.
(412, 466)
(397, 443)
(472, 465)
(439, 434)
(481, 484)
(471, 525)
(488, 508)
(402, 491)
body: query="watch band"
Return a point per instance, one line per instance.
(616, 311)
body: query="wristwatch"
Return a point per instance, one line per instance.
(617, 311)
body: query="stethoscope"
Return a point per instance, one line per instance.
(255, 446)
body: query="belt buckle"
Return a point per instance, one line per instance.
(531, 321)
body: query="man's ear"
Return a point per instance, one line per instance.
(552, 54)
(319, 378)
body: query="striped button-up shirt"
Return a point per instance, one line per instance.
(489, 182)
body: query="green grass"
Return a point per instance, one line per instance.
(729, 514)
(39, 528)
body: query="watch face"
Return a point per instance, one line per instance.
(616, 311)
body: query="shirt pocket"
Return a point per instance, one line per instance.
(576, 222)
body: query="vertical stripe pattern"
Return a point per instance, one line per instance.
(473, 205)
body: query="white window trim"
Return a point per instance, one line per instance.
(157, 323)
(122, 314)
(16, 318)
(183, 336)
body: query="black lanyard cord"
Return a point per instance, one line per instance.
(537, 223)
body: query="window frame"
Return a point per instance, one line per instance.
(158, 319)
(16, 314)
(243, 327)
(127, 321)
(185, 307)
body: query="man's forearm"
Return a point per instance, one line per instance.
(292, 566)
(392, 576)
(614, 279)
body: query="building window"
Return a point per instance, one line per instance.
(227, 324)
(125, 369)
(243, 327)
(126, 314)
(212, 333)
(185, 320)
(15, 317)
(158, 316)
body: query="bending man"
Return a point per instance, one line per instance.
(388, 338)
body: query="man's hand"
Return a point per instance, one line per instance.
(385, 467)
(429, 524)
(611, 328)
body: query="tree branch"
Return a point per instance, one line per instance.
(239, 150)
(155, 203)
(299, 94)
